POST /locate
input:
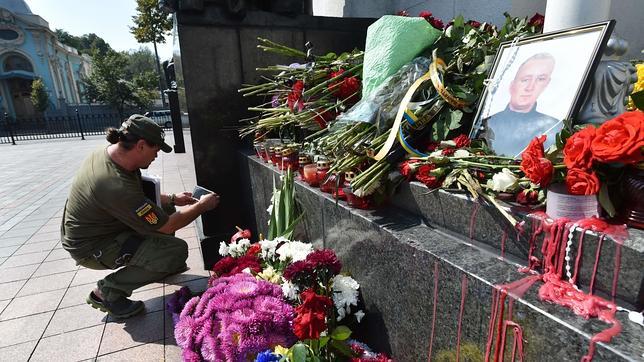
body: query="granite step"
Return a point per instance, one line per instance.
(396, 255)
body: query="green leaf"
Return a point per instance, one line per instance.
(459, 21)
(324, 340)
(455, 119)
(342, 347)
(604, 200)
(300, 352)
(341, 333)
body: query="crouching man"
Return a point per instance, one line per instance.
(108, 222)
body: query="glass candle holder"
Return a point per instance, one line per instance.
(322, 169)
(290, 159)
(302, 161)
(270, 151)
(310, 174)
(356, 202)
(276, 157)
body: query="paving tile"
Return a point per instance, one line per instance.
(86, 276)
(8, 250)
(73, 346)
(146, 352)
(25, 259)
(172, 351)
(9, 290)
(32, 304)
(58, 254)
(55, 267)
(137, 330)
(76, 295)
(73, 318)
(3, 304)
(52, 235)
(23, 329)
(47, 283)
(50, 227)
(17, 353)
(152, 298)
(16, 240)
(2, 259)
(17, 273)
(20, 231)
(37, 247)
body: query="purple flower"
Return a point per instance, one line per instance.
(275, 101)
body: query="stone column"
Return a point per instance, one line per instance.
(561, 14)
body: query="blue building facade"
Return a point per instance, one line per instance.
(29, 50)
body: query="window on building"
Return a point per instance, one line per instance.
(8, 34)
(17, 62)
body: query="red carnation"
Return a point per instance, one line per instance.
(224, 266)
(295, 269)
(536, 20)
(325, 258)
(462, 141)
(311, 315)
(254, 249)
(448, 151)
(436, 23)
(474, 23)
(406, 169)
(402, 13)
(294, 98)
(425, 14)
(424, 175)
(346, 89)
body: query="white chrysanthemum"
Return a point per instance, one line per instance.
(268, 248)
(289, 290)
(223, 249)
(238, 248)
(345, 294)
(294, 250)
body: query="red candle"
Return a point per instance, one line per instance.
(310, 174)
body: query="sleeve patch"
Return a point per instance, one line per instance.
(151, 218)
(143, 209)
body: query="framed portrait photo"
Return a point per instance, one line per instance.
(535, 84)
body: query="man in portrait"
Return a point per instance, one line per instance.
(509, 132)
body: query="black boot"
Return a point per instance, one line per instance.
(120, 309)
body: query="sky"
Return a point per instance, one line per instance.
(108, 19)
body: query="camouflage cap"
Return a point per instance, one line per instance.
(145, 128)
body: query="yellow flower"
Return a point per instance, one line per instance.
(269, 274)
(639, 85)
(282, 351)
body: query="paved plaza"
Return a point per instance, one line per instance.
(43, 314)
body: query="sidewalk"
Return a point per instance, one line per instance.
(43, 315)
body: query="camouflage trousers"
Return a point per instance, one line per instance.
(157, 256)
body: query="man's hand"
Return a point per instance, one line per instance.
(208, 202)
(184, 198)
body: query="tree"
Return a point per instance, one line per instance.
(39, 96)
(107, 83)
(151, 26)
(87, 43)
(68, 39)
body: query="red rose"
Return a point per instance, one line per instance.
(423, 174)
(577, 152)
(474, 23)
(538, 169)
(621, 139)
(535, 147)
(425, 14)
(580, 182)
(436, 23)
(462, 141)
(528, 197)
(536, 20)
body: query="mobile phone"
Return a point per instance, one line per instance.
(200, 191)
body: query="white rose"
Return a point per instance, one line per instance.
(503, 181)
(461, 153)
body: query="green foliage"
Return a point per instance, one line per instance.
(85, 44)
(39, 96)
(140, 61)
(285, 214)
(108, 83)
(151, 24)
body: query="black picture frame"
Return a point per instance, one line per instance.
(509, 59)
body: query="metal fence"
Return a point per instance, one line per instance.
(74, 126)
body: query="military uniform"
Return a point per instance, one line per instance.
(108, 223)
